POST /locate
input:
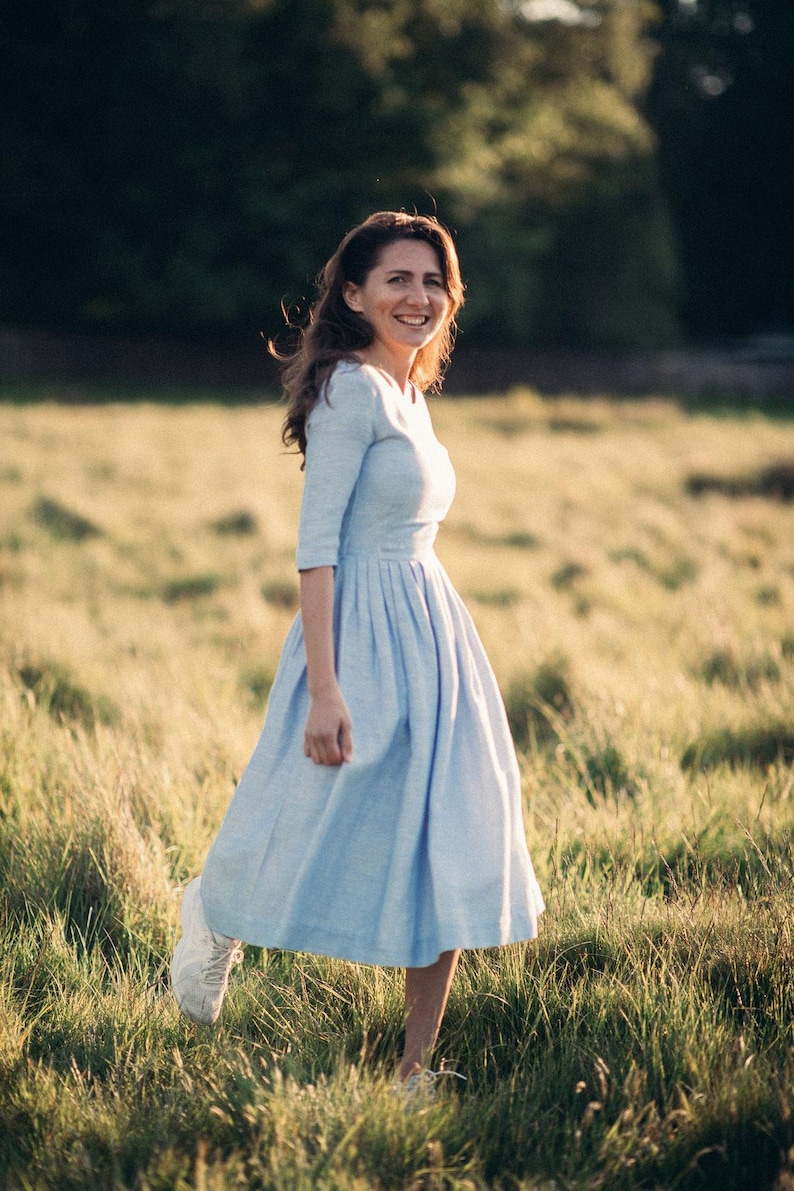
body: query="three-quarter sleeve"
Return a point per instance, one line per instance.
(339, 431)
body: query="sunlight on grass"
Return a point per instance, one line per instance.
(631, 570)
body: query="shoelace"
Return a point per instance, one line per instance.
(424, 1081)
(224, 957)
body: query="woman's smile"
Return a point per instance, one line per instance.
(405, 301)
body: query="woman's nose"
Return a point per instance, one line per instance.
(417, 295)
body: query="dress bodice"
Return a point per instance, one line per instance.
(378, 481)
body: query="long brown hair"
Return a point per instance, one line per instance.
(334, 332)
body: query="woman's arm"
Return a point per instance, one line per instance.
(328, 737)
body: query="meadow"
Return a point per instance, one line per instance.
(630, 566)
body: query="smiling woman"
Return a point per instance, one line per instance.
(405, 301)
(338, 331)
(379, 819)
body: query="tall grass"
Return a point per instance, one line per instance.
(640, 624)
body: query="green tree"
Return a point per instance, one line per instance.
(186, 164)
(722, 103)
(578, 195)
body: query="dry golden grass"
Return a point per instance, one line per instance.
(644, 639)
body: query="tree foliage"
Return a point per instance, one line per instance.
(187, 164)
(722, 103)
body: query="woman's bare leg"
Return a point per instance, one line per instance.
(426, 995)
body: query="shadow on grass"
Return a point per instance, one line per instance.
(775, 482)
(62, 523)
(724, 667)
(757, 747)
(715, 864)
(672, 574)
(190, 588)
(515, 540)
(51, 685)
(238, 524)
(514, 427)
(281, 593)
(687, 868)
(538, 703)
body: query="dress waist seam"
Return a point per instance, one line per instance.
(387, 556)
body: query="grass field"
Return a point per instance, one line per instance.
(631, 569)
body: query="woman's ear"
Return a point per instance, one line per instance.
(350, 295)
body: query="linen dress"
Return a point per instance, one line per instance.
(417, 845)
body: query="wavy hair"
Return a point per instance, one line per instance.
(334, 332)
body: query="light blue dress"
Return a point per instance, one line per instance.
(417, 845)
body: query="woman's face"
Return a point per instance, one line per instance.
(403, 298)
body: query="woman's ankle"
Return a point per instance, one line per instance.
(409, 1068)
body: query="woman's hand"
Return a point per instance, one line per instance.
(328, 737)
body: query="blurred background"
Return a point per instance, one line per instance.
(619, 174)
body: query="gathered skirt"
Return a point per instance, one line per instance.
(416, 846)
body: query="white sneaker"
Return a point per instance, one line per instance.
(421, 1086)
(202, 962)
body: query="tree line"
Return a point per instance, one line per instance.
(618, 172)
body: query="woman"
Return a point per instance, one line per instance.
(379, 819)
